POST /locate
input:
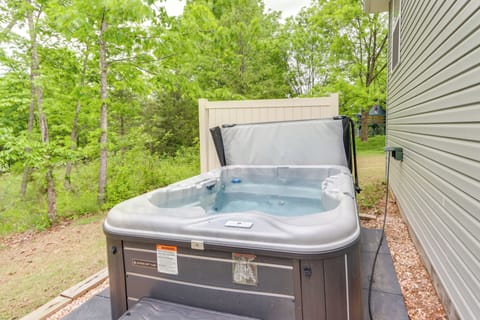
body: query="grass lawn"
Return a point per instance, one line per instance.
(371, 167)
(374, 145)
(371, 159)
(371, 172)
(371, 176)
(37, 266)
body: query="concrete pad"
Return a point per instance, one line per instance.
(369, 240)
(385, 279)
(385, 306)
(105, 293)
(97, 308)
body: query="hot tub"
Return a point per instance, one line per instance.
(267, 242)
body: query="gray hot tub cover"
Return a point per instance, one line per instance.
(301, 142)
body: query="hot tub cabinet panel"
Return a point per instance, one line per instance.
(288, 288)
(176, 244)
(331, 287)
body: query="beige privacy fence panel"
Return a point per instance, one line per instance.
(215, 113)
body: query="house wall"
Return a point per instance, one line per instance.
(434, 114)
(216, 113)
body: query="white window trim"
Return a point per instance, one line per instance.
(395, 22)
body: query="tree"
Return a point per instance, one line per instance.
(102, 175)
(30, 56)
(114, 27)
(119, 78)
(33, 13)
(18, 12)
(218, 50)
(74, 131)
(366, 50)
(353, 58)
(309, 50)
(251, 57)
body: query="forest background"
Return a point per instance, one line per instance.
(99, 99)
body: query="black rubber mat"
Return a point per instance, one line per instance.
(151, 309)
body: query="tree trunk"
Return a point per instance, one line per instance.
(31, 117)
(51, 196)
(102, 175)
(73, 134)
(364, 129)
(122, 134)
(31, 111)
(73, 138)
(25, 178)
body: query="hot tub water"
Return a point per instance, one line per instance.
(277, 199)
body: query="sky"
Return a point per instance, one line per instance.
(288, 7)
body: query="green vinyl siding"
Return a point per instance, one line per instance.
(434, 114)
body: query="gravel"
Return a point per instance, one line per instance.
(78, 302)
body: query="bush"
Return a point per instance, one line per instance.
(17, 213)
(137, 171)
(82, 196)
(130, 173)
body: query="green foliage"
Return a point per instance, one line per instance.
(336, 47)
(217, 50)
(251, 59)
(14, 154)
(158, 68)
(14, 101)
(165, 110)
(137, 171)
(81, 198)
(131, 173)
(17, 213)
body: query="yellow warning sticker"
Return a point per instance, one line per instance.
(167, 259)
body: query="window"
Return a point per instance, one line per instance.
(395, 34)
